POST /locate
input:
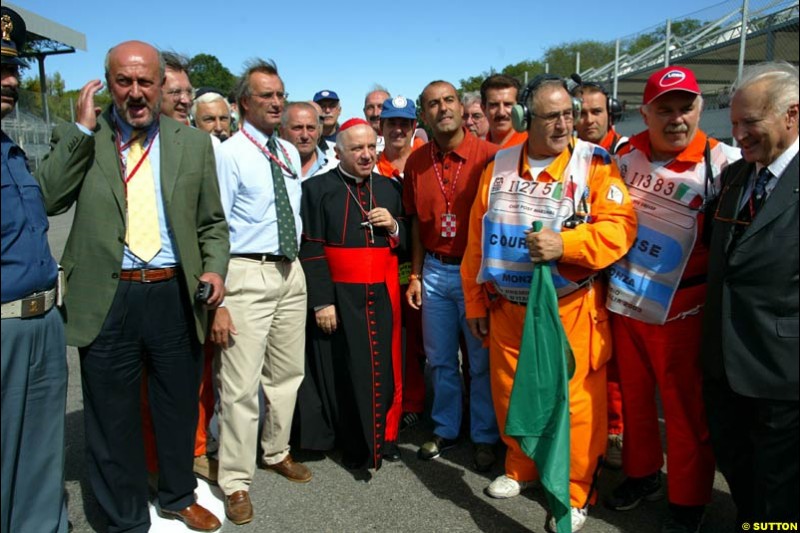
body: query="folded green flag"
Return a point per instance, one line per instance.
(538, 412)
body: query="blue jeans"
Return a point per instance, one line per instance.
(442, 317)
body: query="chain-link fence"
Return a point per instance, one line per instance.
(27, 125)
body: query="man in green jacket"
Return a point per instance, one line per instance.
(148, 227)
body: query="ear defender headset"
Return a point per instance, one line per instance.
(521, 115)
(613, 106)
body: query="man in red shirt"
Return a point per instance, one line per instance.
(441, 180)
(398, 121)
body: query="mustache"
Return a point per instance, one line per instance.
(682, 128)
(10, 92)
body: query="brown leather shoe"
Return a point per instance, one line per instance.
(206, 468)
(292, 471)
(195, 517)
(238, 508)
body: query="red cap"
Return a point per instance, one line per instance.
(353, 122)
(670, 79)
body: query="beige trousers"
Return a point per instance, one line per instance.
(267, 303)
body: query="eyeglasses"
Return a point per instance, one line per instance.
(280, 95)
(474, 116)
(176, 94)
(551, 118)
(736, 220)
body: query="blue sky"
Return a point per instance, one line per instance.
(349, 46)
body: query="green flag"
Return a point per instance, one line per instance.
(538, 411)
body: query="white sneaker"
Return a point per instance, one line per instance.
(614, 451)
(578, 519)
(505, 487)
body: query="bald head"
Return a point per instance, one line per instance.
(134, 75)
(355, 148)
(373, 104)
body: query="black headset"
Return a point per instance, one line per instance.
(613, 106)
(521, 115)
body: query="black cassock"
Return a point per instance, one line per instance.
(348, 386)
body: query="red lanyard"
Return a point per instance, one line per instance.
(128, 176)
(447, 199)
(271, 156)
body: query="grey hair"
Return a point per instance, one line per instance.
(470, 98)
(207, 98)
(298, 105)
(175, 61)
(783, 89)
(252, 66)
(377, 88)
(559, 83)
(162, 66)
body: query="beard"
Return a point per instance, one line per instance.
(140, 122)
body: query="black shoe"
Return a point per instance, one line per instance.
(353, 462)
(434, 447)
(409, 420)
(484, 456)
(391, 452)
(635, 489)
(683, 519)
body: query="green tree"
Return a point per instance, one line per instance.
(205, 70)
(678, 28)
(562, 58)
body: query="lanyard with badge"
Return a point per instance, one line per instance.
(449, 225)
(273, 157)
(128, 176)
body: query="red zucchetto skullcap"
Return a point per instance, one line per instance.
(353, 122)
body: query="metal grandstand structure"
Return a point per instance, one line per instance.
(743, 34)
(46, 38)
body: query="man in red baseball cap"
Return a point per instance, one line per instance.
(656, 293)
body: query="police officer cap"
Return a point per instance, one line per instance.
(14, 33)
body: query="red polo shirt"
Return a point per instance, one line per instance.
(423, 196)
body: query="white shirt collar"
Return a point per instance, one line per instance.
(778, 166)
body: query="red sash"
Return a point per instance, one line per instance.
(375, 265)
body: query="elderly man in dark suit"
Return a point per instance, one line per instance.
(148, 225)
(750, 352)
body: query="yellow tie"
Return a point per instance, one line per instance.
(143, 235)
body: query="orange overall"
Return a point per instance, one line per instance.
(588, 248)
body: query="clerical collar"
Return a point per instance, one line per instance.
(352, 177)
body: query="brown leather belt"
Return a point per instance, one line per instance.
(446, 259)
(148, 275)
(264, 258)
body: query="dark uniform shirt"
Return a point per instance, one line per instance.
(27, 264)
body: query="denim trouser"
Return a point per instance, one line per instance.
(442, 317)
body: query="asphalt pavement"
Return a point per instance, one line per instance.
(443, 495)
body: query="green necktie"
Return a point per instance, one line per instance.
(287, 231)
